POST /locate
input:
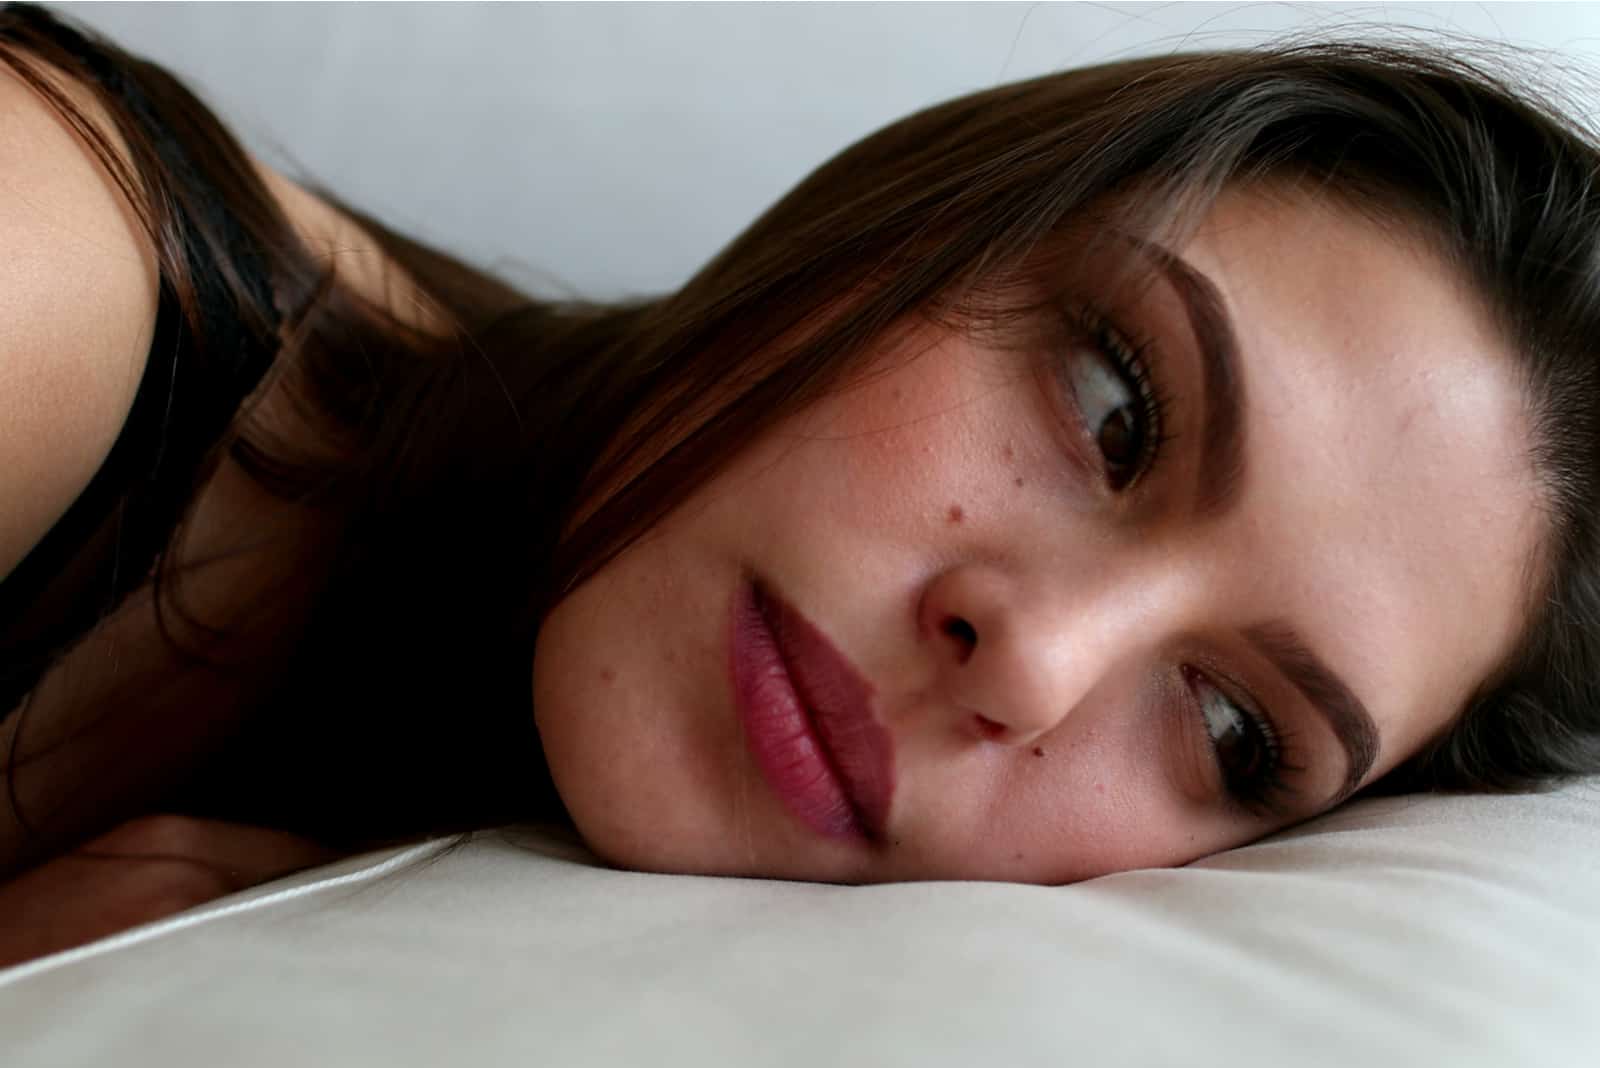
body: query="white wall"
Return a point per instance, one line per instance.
(616, 147)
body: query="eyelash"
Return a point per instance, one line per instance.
(1265, 794)
(1127, 356)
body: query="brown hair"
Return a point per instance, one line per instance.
(484, 473)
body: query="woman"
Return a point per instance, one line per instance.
(1090, 473)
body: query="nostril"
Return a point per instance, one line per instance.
(965, 635)
(988, 728)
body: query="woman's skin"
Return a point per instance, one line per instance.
(1031, 633)
(142, 871)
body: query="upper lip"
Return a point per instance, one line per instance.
(840, 699)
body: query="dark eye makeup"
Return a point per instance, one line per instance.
(1249, 749)
(1115, 395)
(1129, 435)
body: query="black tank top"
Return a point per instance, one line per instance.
(105, 544)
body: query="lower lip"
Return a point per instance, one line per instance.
(782, 736)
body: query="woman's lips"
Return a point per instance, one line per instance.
(807, 715)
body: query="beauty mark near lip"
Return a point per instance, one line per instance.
(807, 717)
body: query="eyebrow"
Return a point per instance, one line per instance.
(1221, 476)
(1348, 718)
(1222, 441)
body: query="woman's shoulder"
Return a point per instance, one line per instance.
(79, 297)
(81, 305)
(79, 294)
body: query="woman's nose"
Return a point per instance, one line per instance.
(1012, 662)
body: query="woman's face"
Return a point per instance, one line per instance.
(973, 616)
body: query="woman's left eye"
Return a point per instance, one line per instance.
(1111, 386)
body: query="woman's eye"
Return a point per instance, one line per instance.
(1247, 749)
(1111, 411)
(1112, 390)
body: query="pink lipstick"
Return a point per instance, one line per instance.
(807, 716)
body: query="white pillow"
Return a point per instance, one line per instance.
(1408, 931)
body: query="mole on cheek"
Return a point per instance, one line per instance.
(607, 675)
(956, 514)
(1038, 751)
(1017, 482)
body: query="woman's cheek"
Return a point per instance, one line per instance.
(951, 440)
(1099, 795)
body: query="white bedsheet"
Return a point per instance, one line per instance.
(1405, 932)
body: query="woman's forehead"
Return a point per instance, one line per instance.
(1387, 446)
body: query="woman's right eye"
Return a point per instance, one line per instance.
(1247, 748)
(1112, 388)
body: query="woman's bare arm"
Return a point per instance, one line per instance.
(143, 871)
(78, 299)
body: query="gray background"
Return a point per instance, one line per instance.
(612, 148)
